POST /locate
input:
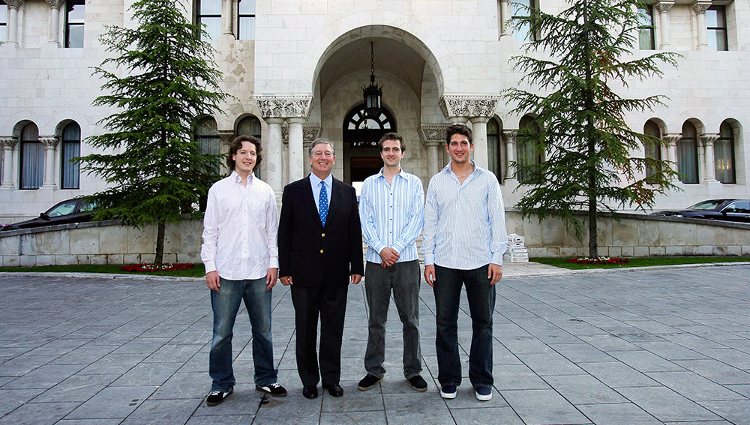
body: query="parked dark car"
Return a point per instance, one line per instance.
(715, 209)
(77, 210)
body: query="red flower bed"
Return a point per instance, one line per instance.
(599, 260)
(148, 268)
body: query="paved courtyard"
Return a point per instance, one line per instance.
(668, 345)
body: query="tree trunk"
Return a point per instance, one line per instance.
(160, 230)
(591, 146)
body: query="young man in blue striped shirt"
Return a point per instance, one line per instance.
(464, 242)
(391, 208)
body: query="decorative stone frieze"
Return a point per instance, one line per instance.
(284, 106)
(310, 132)
(431, 133)
(468, 106)
(49, 141)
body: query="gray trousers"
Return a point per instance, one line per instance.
(403, 280)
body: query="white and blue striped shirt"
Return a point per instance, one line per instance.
(392, 215)
(464, 224)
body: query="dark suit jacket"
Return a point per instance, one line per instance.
(312, 254)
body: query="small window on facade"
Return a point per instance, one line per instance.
(207, 136)
(724, 154)
(209, 16)
(646, 38)
(71, 148)
(32, 158)
(494, 148)
(3, 21)
(520, 9)
(716, 28)
(74, 23)
(653, 149)
(529, 158)
(246, 20)
(687, 154)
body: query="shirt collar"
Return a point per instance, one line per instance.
(237, 179)
(399, 174)
(315, 180)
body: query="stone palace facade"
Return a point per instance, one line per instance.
(296, 69)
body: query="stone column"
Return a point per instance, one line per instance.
(510, 143)
(479, 134)
(708, 142)
(50, 145)
(227, 18)
(433, 138)
(8, 144)
(700, 7)
(663, 8)
(671, 140)
(273, 159)
(701, 158)
(54, 19)
(296, 156)
(504, 17)
(13, 6)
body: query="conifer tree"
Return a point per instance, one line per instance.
(159, 77)
(579, 60)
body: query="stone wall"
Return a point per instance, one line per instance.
(633, 235)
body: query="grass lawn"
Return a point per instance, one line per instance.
(642, 262)
(196, 271)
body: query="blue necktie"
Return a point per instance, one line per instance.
(323, 203)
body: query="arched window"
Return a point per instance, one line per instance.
(363, 130)
(687, 154)
(249, 126)
(246, 20)
(495, 158)
(32, 158)
(724, 154)
(71, 148)
(652, 149)
(529, 158)
(208, 13)
(207, 136)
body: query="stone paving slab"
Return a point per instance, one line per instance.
(665, 345)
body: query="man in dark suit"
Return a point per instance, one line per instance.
(320, 252)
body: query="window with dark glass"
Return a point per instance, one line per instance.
(687, 154)
(529, 158)
(71, 148)
(716, 28)
(521, 9)
(3, 21)
(652, 148)
(75, 13)
(207, 136)
(724, 154)
(32, 158)
(246, 20)
(646, 34)
(208, 14)
(495, 157)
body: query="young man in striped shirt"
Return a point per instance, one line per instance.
(391, 208)
(464, 242)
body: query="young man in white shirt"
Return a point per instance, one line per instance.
(241, 258)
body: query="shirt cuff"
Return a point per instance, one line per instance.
(429, 259)
(210, 266)
(497, 259)
(274, 263)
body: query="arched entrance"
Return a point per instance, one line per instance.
(361, 135)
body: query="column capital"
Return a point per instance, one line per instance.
(672, 138)
(8, 142)
(510, 136)
(55, 4)
(663, 6)
(700, 6)
(708, 139)
(226, 137)
(310, 132)
(284, 106)
(14, 4)
(432, 134)
(479, 119)
(50, 142)
(468, 106)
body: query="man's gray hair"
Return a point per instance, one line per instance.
(320, 141)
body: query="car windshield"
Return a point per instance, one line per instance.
(64, 208)
(705, 205)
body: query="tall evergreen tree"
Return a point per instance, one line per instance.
(581, 53)
(159, 77)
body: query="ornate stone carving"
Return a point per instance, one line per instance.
(14, 4)
(708, 139)
(468, 106)
(510, 136)
(310, 132)
(8, 142)
(672, 138)
(664, 6)
(284, 106)
(55, 3)
(49, 141)
(700, 7)
(432, 133)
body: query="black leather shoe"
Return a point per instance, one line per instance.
(334, 390)
(310, 391)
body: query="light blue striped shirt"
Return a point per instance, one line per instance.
(464, 224)
(392, 215)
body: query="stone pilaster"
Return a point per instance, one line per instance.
(8, 144)
(433, 136)
(671, 141)
(50, 145)
(700, 7)
(54, 18)
(227, 17)
(663, 8)
(710, 164)
(296, 156)
(510, 143)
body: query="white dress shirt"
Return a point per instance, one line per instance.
(240, 229)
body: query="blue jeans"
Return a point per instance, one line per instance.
(481, 297)
(225, 305)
